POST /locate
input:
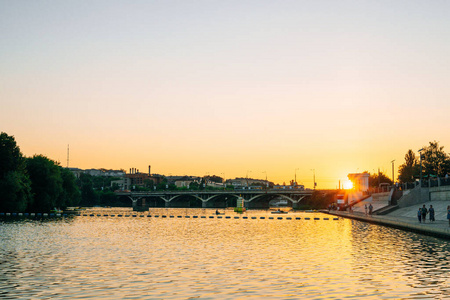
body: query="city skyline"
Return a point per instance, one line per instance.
(236, 88)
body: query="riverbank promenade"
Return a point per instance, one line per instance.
(405, 219)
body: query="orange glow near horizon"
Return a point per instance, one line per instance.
(348, 185)
(228, 157)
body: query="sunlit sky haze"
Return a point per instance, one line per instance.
(231, 88)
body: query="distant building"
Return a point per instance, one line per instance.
(97, 172)
(77, 172)
(122, 184)
(185, 181)
(93, 172)
(241, 183)
(136, 178)
(215, 184)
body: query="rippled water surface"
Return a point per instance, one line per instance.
(180, 258)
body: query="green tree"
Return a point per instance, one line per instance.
(149, 184)
(409, 169)
(46, 183)
(434, 160)
(88, 195)
(376, 179)
(162, 185)
(214, 178)
(108, 198)
(11, 158)
(202, 184)
(15, 185)
(194, 186)
(15, 193)
(70, 195)
(318, 200)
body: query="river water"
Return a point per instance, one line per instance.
(210, 258)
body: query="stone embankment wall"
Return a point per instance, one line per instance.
(420, 195)
(381, 196)
(441, 193)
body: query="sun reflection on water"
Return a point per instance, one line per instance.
(172, 258)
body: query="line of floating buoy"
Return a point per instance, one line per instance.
(51, 215)
(155, 216)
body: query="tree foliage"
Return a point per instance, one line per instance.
(11, 159)
(318, 200)
(408, 170)
(214, 178)
(88, 196)
(70, 195)
(434, 160)
(46, 183)
(15, 195)
(36, 184)
(378, 178)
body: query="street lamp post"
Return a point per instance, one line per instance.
(223, 180)
(393, 180)
(420, 153)
(295, 177)
(267, 183)
(314, 178)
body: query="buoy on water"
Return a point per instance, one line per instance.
(240, 208)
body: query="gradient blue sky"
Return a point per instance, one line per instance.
(226, 87)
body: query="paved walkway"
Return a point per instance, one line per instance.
(376, 204)
(406, 219)
(440, 209)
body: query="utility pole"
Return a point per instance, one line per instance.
(267, 183)
(393, 180)
(295, 177)
(420, 153)
(314, 178)
(67, 155)
(379, 180)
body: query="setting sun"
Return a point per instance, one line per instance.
(348, 185)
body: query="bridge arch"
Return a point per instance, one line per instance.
(184, 200)
(222, 200)
(263, 200)
(211, 199)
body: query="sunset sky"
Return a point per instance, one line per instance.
(226, 87)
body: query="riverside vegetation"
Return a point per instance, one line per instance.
(33, 184)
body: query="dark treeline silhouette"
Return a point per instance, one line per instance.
(33, 184)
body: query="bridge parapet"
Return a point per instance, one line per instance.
(235, 192)
(252, 198)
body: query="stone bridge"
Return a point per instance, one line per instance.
(253, 199)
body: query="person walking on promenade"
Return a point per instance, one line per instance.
(431, 211)
(448, 215)
(370, 209)
(424, 213)
(419, 215)
(365, 209)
